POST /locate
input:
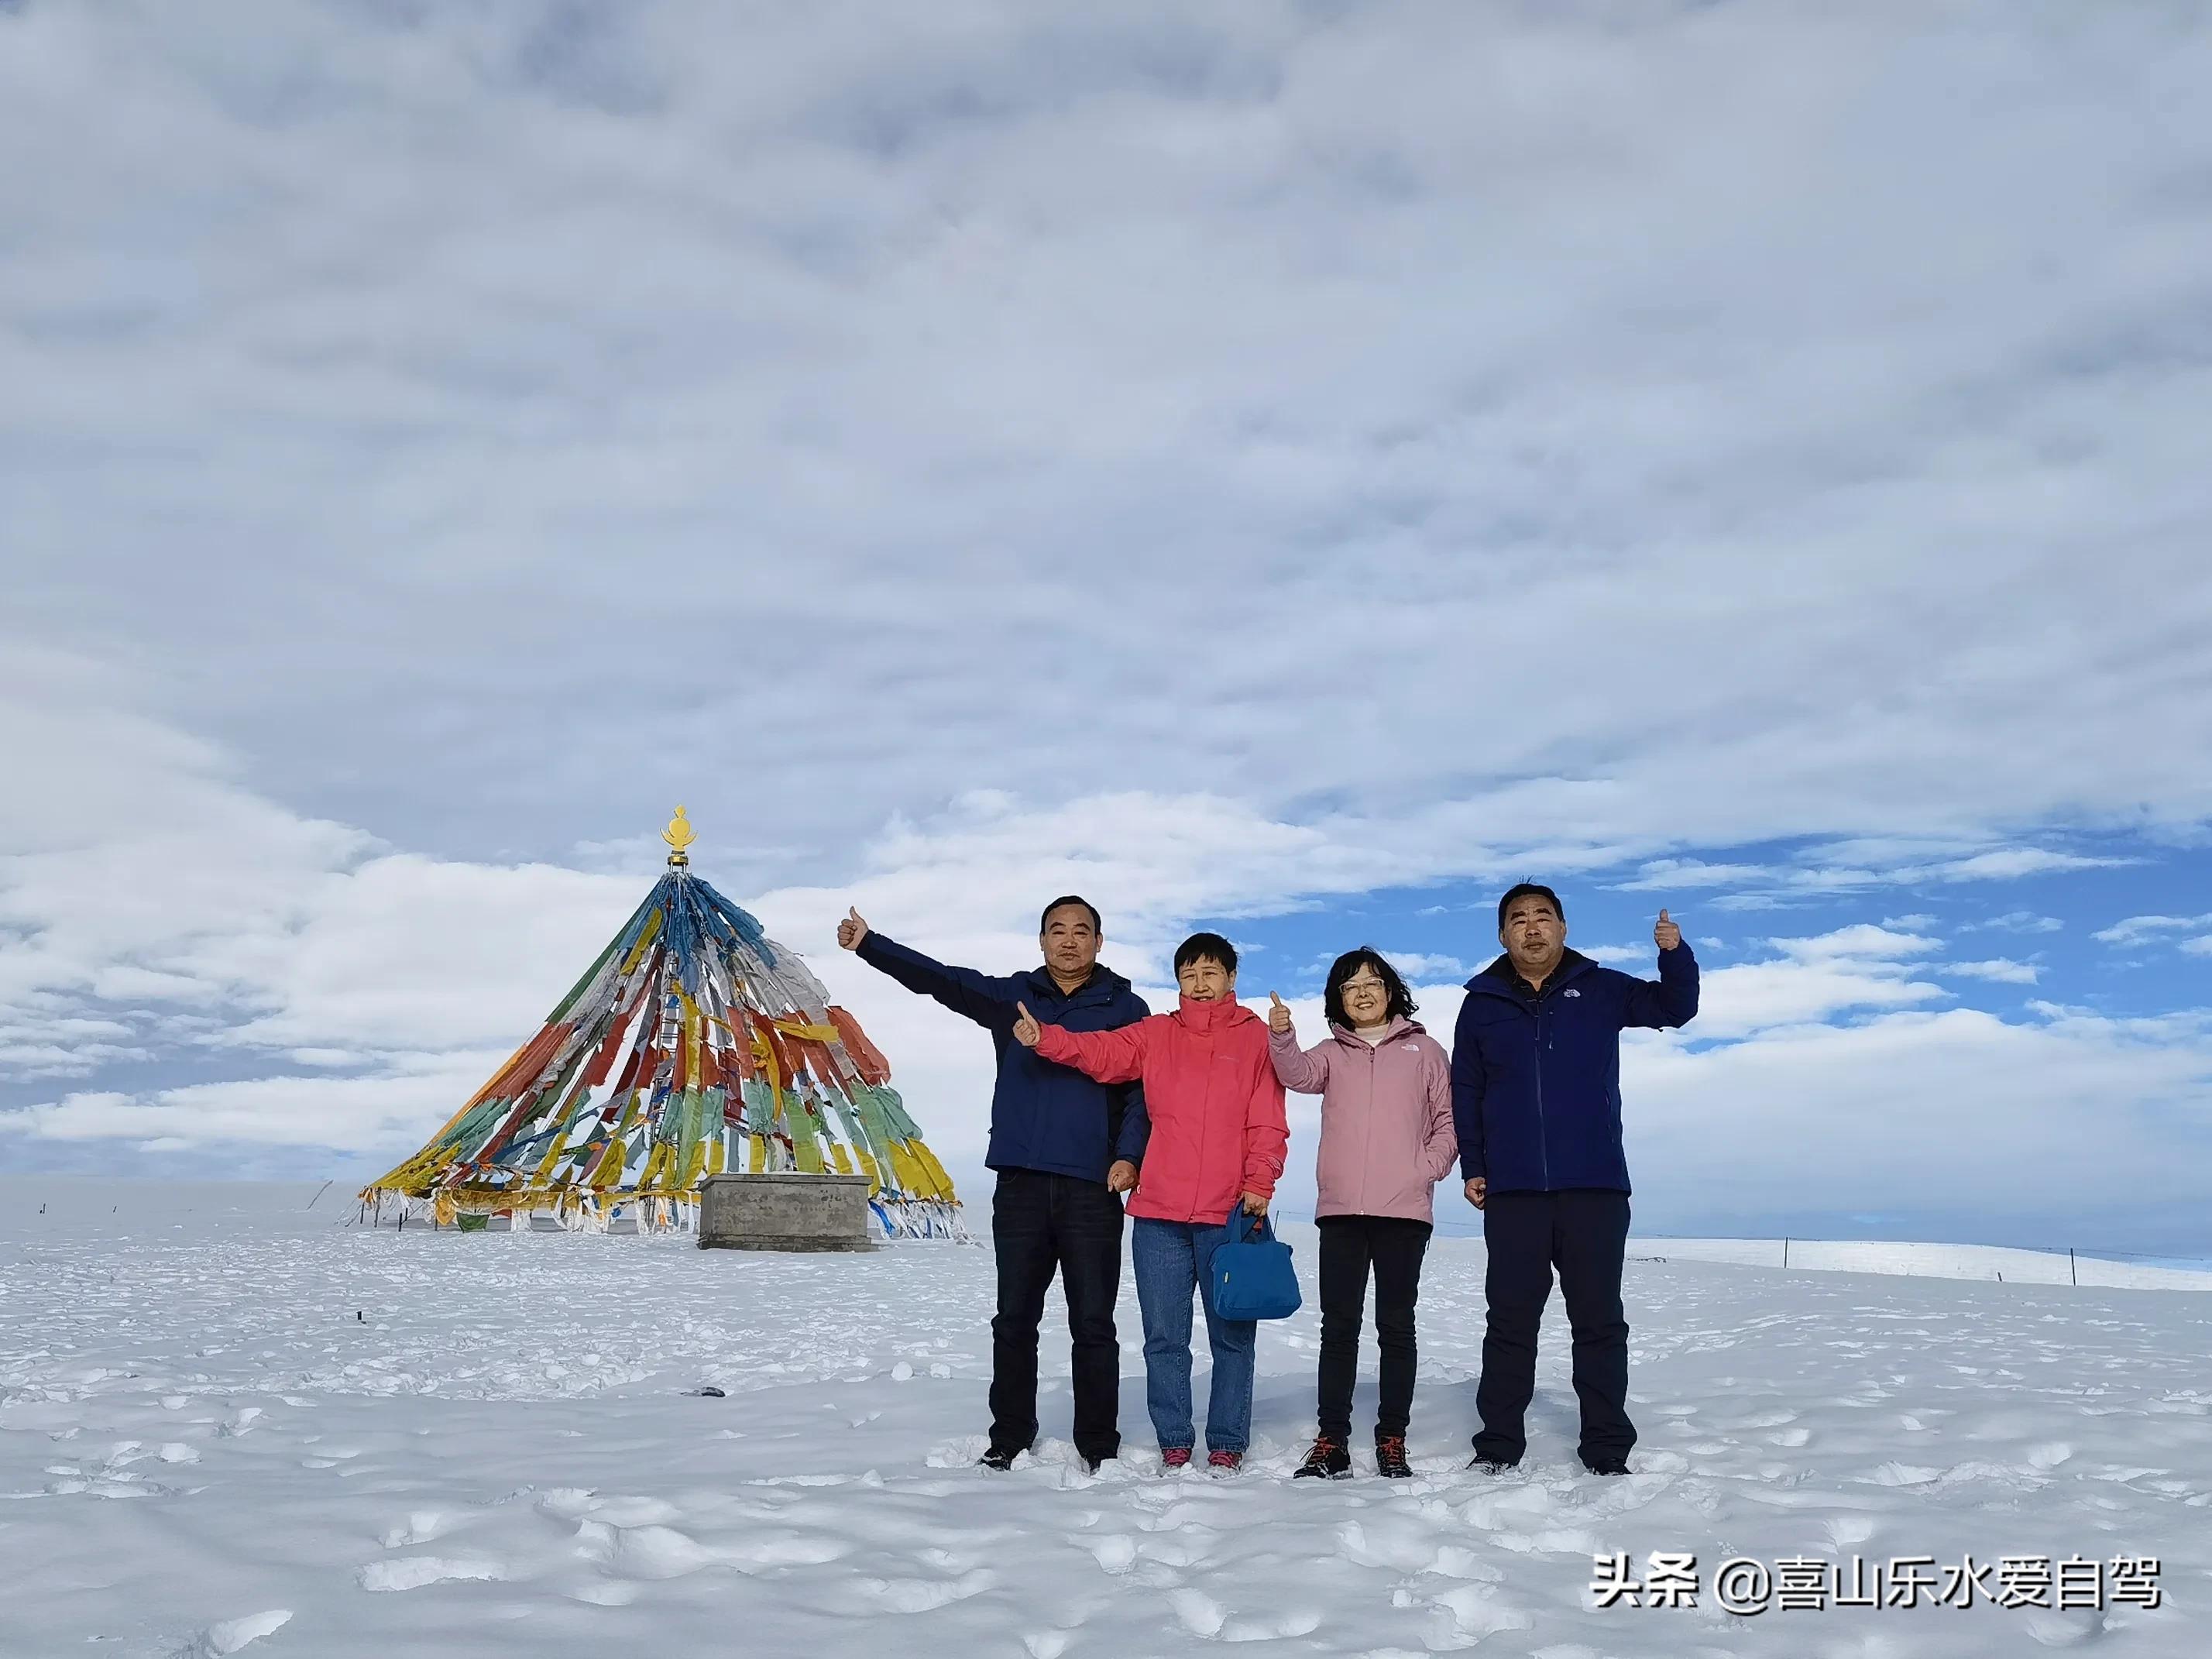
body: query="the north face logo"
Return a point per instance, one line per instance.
(1571, 992)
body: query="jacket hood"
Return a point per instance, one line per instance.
(1218, 1015)
(1400, 1027)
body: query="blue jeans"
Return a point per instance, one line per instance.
(1170, 1260)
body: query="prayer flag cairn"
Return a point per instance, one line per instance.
(694, 1046)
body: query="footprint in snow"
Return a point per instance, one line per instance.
(227, 1636)
(1474, 1611)
(1201, 1615)
(1117, 1554)
(1846, 1530)
(924, 1594)
(413, 1571)
(420, 1528)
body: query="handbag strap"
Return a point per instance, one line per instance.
(1256, 1227)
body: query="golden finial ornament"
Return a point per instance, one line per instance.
(679, 836)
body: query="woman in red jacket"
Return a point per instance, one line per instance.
(1219, 1134)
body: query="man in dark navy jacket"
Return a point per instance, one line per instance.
(1536, 1098)
(1064, 1149)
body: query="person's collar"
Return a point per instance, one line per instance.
(1569, 961)
(1099, 973)
(1206, 1015)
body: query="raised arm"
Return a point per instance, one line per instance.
(1101, 1056)
(1674, 1000)
(988, 1000)
(1303, 1070)
(1468, 1084)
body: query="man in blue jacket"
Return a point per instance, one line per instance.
(1064, 1149)
(1536, 1098)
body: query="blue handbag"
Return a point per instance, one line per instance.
(1253, 1277)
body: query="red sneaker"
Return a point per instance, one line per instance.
(1175, 1457)
(1223, 1462)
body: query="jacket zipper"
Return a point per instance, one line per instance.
(1543, 1134)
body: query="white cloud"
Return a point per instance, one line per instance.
(1117, 453)
(2002, 969)
(2012, 863)
(2070, 1112)
(2200, 946)
(2016, 921)
(1862, 940)
(392, 1111)
(2136, 929)
(1417, 965)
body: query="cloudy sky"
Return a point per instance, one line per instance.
(1295, 469)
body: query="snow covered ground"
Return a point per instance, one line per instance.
(228, 1425)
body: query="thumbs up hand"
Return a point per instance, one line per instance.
(1027, 1031)
(1279, 1016)
(1666, 935)
(852, 930)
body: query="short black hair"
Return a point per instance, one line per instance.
(1530, 889)
(1066, 899)
(1200, 945)
(1401, 1005)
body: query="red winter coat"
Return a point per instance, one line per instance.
(1386, 1118)
(1218, 1128)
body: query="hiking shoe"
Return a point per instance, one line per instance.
(1610, 1463)
(1390, 1457)
(1491, 1465)
(1001, 1458)
(1091, 1463)
(1328, 1461)
(1175, 1457)
(1223, 1462)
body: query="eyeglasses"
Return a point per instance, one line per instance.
(1363, 985)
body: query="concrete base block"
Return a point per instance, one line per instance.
(784, 1213)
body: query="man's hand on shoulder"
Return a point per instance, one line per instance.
(852, 930)
(1478, 1191)
(1666, 935)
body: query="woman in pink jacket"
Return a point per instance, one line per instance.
(1219, 1134)
(1386, 1141)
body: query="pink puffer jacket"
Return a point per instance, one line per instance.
(1386, 1118)
(1218, 1128)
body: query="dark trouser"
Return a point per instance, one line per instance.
(1042, 1223)
(1583, 1232)
(1350, 1245)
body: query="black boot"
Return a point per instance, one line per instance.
(1390, 1457)
(1001, 1458)
(1328, 1461)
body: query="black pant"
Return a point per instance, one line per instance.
(1041, 1223)
(1350, 1245)
(1583, 1232)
